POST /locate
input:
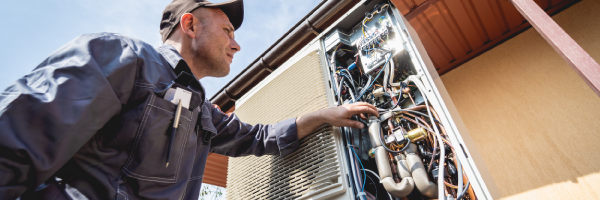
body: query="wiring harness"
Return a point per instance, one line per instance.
(408, 142)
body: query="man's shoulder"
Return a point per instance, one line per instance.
(106, 37)
(142, 49)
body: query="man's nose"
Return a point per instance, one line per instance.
(234, 45)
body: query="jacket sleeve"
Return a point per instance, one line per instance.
(235, 138)
(49, 114)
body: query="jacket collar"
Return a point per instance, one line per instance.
(179, 65)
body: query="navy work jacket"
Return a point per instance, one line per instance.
(90, 122)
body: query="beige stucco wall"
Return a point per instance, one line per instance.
(534, 121)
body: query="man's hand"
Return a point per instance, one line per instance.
(337, 116)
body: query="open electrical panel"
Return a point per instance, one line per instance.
(410, 151)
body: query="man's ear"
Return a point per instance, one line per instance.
(188, 22)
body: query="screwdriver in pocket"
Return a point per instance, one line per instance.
(173, 131)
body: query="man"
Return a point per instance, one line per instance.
(93, 121)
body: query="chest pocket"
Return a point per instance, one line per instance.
(147, 160)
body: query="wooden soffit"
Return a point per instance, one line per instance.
(455, 31)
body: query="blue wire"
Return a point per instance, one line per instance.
(344, 70)
(361, 165)
(341, 70)
(349, 78)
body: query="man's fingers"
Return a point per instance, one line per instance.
(351, 123)
(362, 116)
(367, 109)
(365, 104)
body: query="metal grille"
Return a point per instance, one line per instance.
(312, 170)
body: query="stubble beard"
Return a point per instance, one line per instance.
(208, 64)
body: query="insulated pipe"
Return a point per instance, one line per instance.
(374, 129)
(407, 184)
(398, 190)
(419, 174)
(415, 79)
(403, 169)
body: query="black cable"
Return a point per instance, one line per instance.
(349, 77)
(346, 83)
(364, 89)
(374, 80)
(351, 175)
(375, 186)
(347, 131)
(402, 85)
(339, 92)
(387, 101)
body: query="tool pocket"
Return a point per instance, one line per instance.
(147, 160)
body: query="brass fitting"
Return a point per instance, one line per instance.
(372, 153)
(416, 134)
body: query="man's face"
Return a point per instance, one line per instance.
(214, 45)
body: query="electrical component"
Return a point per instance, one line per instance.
(408, 141)
(378, 92)
(335, 38)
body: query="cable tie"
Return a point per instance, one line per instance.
(361, 194)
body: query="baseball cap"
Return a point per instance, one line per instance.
(234, 9)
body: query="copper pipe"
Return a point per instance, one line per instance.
(448, 143)
(370, 196)
(394, 169)
(432, 157)
(434, 144)
(435, 115)
(420, 119)
(430, 135)
(390, 127)
(470, 190)
(450, 185)
(415, 108)
(411, 99)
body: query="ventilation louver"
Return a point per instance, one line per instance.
(310, 170)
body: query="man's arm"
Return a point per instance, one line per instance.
(49, 114)
(336, 116)
(235, 138)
